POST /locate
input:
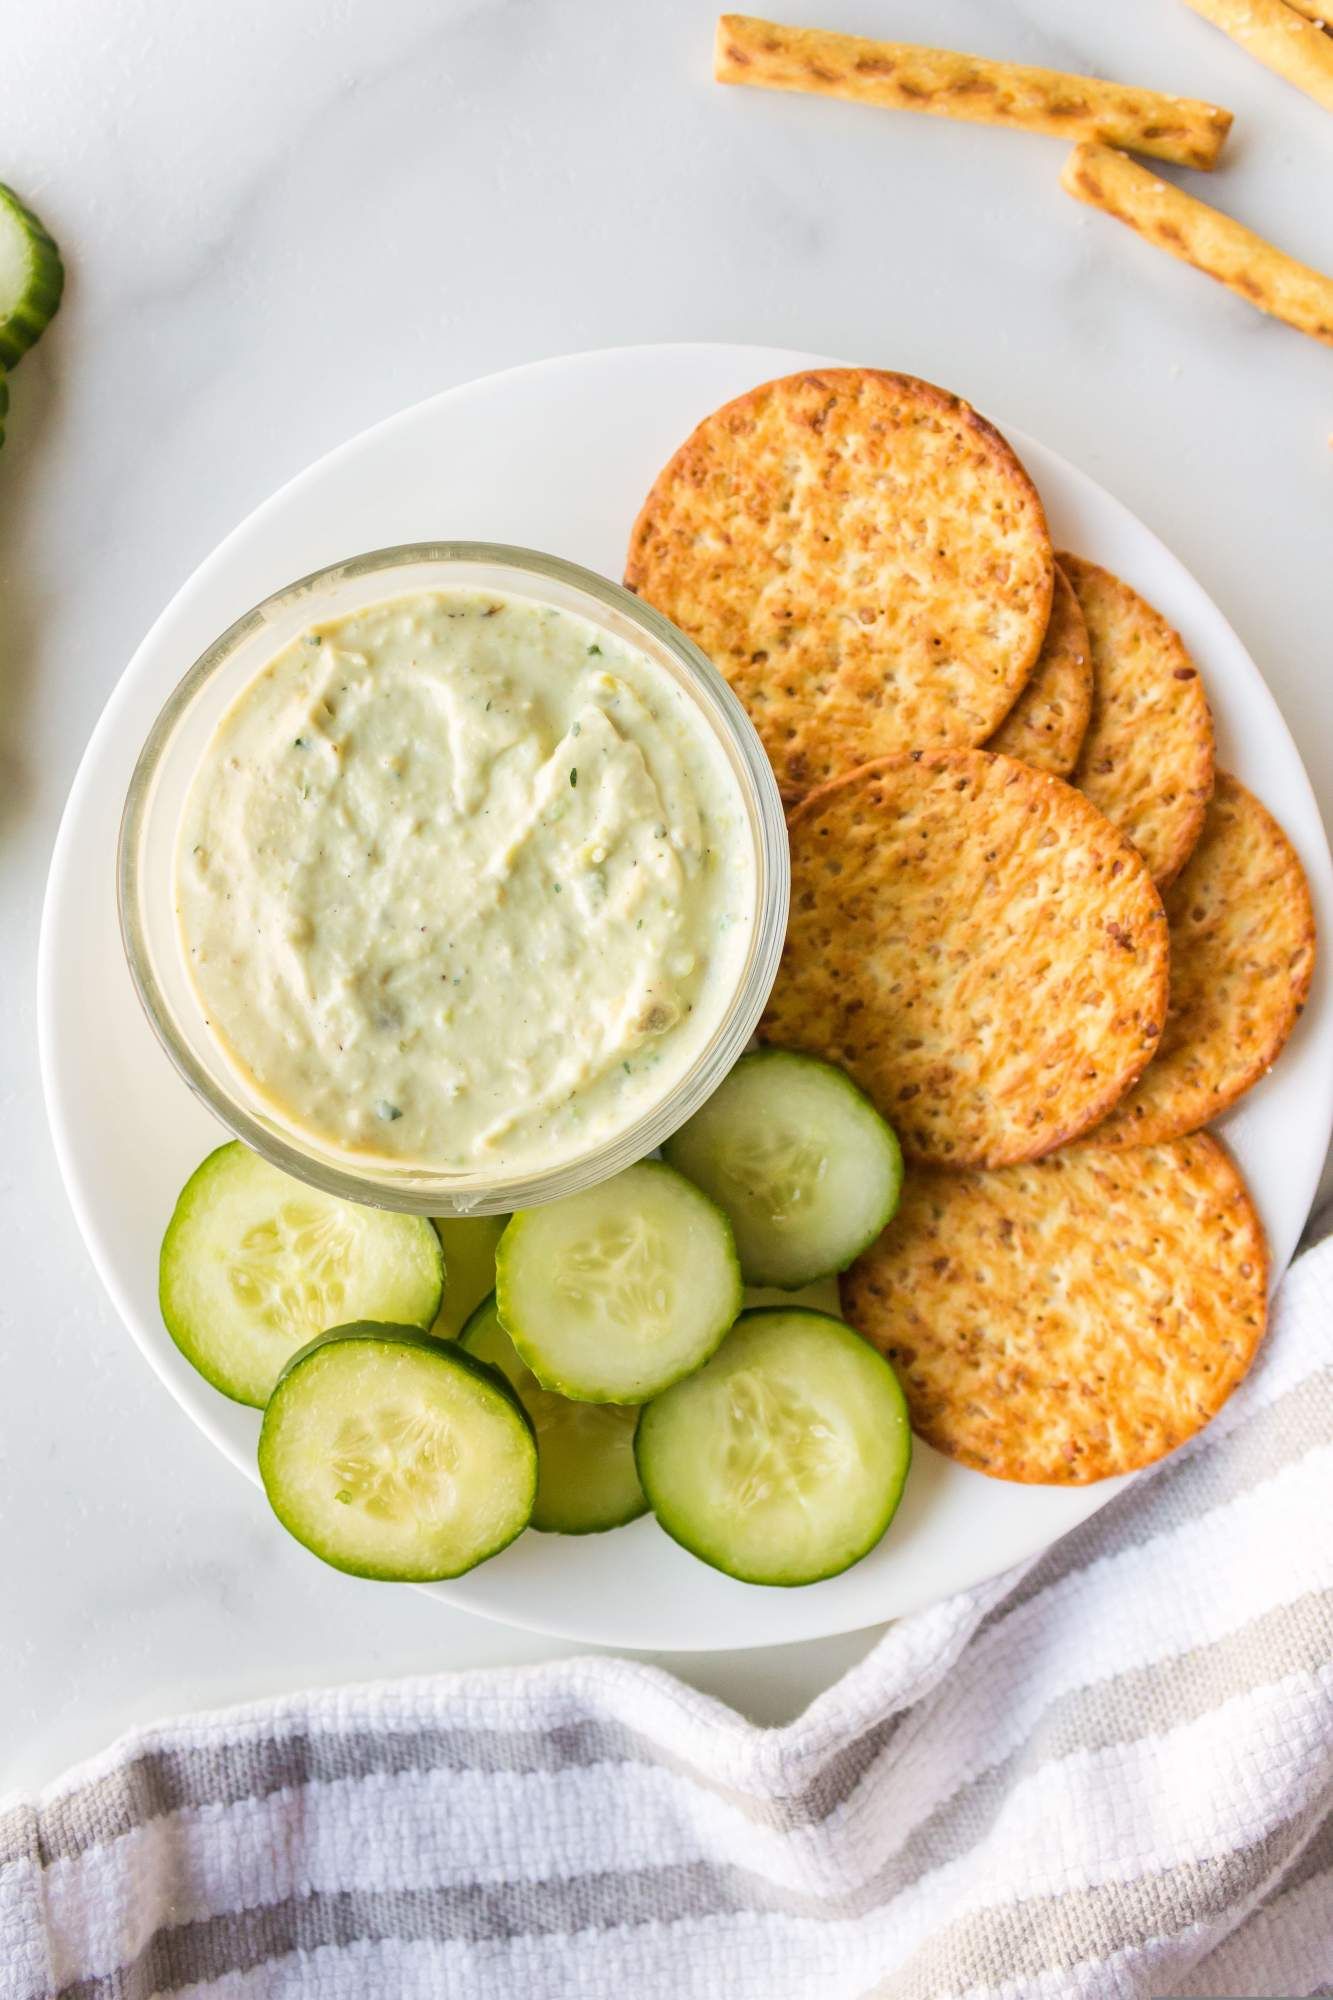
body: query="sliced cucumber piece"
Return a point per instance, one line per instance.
(612, 1294)
(32, 278)
(469, 1268)
(397, 1456)
(783, 1460)
(586, 1479)
(803, 1164)
(254, 1264)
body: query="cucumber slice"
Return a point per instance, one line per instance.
(254, 1264)
(586, 1479)
(803, 1164)
(783, 1460)
(469, 1268)
(613, 1294)
(396, 1456)
(32, 278)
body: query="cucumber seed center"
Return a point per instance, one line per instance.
(777, 1443)
(621, 1274)
(292, 1270)
(391, 1461)
(776, 1171)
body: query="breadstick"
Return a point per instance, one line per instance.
(1318, 11)
(947, 85)
(1275, 34)
(1204, 237)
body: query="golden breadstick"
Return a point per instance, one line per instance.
(1318, 11)
(1277, 35)
(1204, 237)
(907, 78)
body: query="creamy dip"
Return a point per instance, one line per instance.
(463, 882)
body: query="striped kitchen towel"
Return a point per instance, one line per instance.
(1109, 1774)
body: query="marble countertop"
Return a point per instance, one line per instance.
(283, 223)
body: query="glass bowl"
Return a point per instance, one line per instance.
(170, 758)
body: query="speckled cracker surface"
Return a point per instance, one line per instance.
(1242, 934)
(1147, 759)
(862, 556)
(977, 946)
(1069, 1319)
(1047, 724)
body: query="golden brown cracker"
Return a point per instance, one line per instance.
(1047, 724)
(1242, 934)
(980, 949)
(904, 77)
(1147, 759)
(1071, 1319)
(862, 556)
(1196, 234)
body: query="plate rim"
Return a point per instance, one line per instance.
(193, 1396)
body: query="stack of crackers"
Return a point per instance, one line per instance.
(1029, 917)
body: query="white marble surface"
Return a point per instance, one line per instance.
(284, 222)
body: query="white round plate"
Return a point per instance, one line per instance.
(558, 456)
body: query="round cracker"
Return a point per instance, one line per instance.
(862, 556)
(1069, 1320)
(1242, 934)
(1147, 759)
(1047, 724)
(977, 946)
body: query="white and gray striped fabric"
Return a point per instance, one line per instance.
(1110, 1774)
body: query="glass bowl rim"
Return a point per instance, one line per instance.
(463, 1195)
